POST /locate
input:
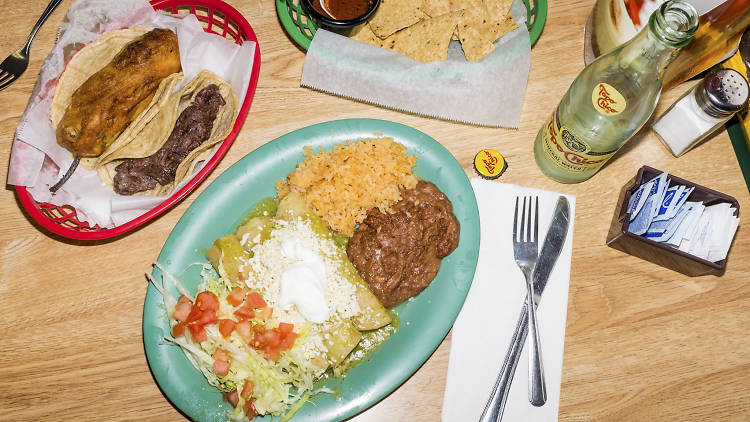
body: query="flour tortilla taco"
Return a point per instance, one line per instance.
(151, 131)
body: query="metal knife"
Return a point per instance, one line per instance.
(553, 242)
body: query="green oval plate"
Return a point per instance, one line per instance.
(424, 320)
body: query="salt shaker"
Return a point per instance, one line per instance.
(703, 109)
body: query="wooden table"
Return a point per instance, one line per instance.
(643, 343)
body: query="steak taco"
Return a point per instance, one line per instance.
(168, 140)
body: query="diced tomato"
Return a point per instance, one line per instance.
(265, 313)
(288, 341)
(207, 301)
(244, 330)
(226, 326)
(182, 310)
(269, 337)
(194, 315)
(247, 389)
(207, 317)
(285, 328)
(249, 409)
(220, 354)
(221, 367)
(272, 352)
(244, 312)
(178, 330)
(198, 332)
(255, 300)
(232, 397)
(236, 297)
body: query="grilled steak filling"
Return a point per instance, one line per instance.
(193, 127)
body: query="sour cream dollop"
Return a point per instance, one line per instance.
(304, 283)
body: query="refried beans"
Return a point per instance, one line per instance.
(399, 254)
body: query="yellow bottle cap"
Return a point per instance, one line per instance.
(489, 164)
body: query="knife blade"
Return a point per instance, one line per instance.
(551, 248)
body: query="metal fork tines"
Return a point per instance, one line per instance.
(16, 63)
(525, 252)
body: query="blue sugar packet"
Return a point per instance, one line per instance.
(663, 230)
(677, 203)
(645, 216)
(667, 208)
(682, 198)
(638, 198)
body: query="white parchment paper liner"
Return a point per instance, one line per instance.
(486, 93)
(37, 159)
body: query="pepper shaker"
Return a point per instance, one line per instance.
(702, 110)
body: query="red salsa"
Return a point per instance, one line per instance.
(342, 10)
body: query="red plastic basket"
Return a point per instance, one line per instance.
(216, 17)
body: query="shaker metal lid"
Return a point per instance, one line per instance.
(722, 92)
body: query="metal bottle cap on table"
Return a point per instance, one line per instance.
(722, 92)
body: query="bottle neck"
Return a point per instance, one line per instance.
(646, 55)
(670, 27)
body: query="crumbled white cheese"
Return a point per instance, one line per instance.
(289, 244)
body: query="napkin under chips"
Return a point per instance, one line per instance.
(422, 29)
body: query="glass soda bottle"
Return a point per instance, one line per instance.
(612, 98)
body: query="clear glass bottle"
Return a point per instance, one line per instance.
(612, 98)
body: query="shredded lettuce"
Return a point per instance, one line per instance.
(279, 387)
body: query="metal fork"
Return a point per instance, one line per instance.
(15, 64)
(525, 253)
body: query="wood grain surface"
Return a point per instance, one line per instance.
(643, 343)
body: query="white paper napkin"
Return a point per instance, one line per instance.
(488, 93)
(483, 330)
(37, 161)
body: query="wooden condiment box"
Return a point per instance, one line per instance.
(661, 254)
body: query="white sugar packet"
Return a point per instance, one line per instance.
(687, 226)
(722, 239)
(37, 161)
(710, 235)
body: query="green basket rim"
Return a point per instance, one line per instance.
(536, 17)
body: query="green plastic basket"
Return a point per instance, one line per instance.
(301, 28)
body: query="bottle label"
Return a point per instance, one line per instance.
(607, 100)
(568, 151)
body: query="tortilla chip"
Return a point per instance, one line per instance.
(504, 26)
(498, 9)
(416, 28)
(500, 17)
(89, 60)
(476, 31)
(147, 138)
(393, 15)
(425, 41)
(363, 33)
(435, 8)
